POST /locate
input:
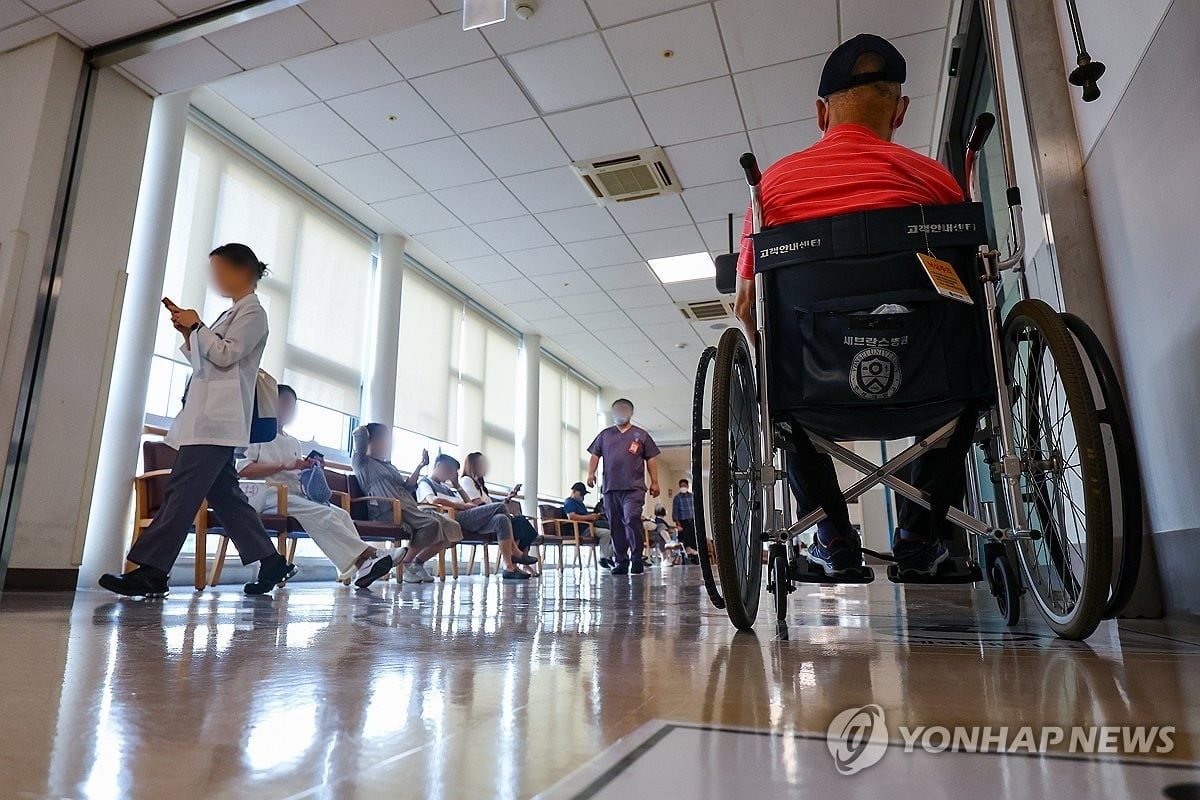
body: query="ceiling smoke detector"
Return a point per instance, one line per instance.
(525, 10)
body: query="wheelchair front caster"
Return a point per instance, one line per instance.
(780, 580)
(1005, 586)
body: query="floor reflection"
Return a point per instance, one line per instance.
(478, 688)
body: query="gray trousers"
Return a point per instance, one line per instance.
(202, 471)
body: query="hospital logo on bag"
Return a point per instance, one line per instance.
(875, 373)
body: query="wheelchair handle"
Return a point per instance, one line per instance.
(750, 166)
(981, 131)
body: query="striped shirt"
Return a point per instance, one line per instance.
(849, 169)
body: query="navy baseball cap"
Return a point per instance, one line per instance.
(836, 76)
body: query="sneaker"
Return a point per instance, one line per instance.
(607, 563)
(637, 567)
(373, 569)
(271, 571)
(917, 557)
(413, 573)
(621, 568)
(514, 575)
(839, 557)
(148, 582)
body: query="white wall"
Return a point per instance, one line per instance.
(1142, 178)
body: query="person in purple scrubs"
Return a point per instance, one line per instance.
(628, 453)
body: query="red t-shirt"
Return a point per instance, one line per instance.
(850, 169)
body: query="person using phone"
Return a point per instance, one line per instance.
(214, 422)
(473, 485)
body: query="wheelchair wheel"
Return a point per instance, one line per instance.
(780, 579)
(1006, 587)
(1124, 477)
(734, 492)
(700, 437)
(1064, 472)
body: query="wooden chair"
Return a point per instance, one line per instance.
(441, 568)
(558, 531)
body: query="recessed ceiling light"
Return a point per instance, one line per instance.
(690, 267)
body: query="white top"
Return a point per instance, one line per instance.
(428, 489)
(470, 487)
(282, 448)
(220, 397)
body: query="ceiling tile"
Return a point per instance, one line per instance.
(600, 130)
(917, 130)
(455, 243)
(773, 143)
(614, 12)
(441, 163)
(896, 18)
(604, 321)
(758, 33)
(271, 38)
(692, 291)
(586, 302)
(476, 96)
(417, 214)
(316, 133)
(690, 35)
(926, 55)
(560, 326)
(568, 74)
(50, 5)
(446, 6)
(664, 211)
(534, 310)
(520, 147)
(486, 269)
(96, 21)
(549, 189)
(180, 7)
(372, 178)
(433, 46)
(603, 252)
(30, 31)
(264, 91)
(623, 276)
(716, 233)
(640, 297)
(577, 224)
(782, 93)
(708, 160)
(343, 69)
(717, 201)
(542, 260)
(390, 116)
(180, 67)
(558, 19)
(668, 242)
(519, 233)
(480, 202)
(346, 22)
(515, 290)
(696, 111)
(626, 339)
(13, 12)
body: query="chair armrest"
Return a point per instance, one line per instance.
(141, 503)
(281, 495)
(397, 506)
(343, 499)
(156, 473)
(449, 512)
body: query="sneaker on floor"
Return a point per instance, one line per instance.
(373, 569)
(839, 557)
(622, 568)
(412, 573)
(271, 571)
(637, 567)
(148, 582)
(514, 575)
(607, 563)
(917, 557)
(425, 576)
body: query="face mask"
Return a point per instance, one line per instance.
(620, 419)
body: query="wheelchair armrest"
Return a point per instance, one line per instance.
(726, 272)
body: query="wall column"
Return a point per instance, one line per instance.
(533, 398)
(108, 525)
(381, 392)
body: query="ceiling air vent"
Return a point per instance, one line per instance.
(705, 310)
(628, 176)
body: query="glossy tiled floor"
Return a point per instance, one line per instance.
(479, 689)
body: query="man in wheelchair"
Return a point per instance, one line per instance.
(857, 167)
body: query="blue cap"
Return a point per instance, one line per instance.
(836, 76)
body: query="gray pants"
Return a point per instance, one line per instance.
(202, 471)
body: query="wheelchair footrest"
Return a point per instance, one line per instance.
(804, 572)
(957, 569)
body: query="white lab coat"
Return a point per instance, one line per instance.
(224, 359)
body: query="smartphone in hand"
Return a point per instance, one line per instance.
(170, 305)
(314, 455)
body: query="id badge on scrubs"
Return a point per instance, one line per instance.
(945, 279)
(634, 447)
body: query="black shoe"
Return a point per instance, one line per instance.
(621, 568)
(637, 567)
(149, 582)
(607, 563)
(271, 571)
(917, 557)
(514, 575)
(841, 556)
(524, 559)
(693, 559)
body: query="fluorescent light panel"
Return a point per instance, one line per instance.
(690, 267)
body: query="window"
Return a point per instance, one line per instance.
(488, 394)
(427, 375)
(562, 445)
(315, 293)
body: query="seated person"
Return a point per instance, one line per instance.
(330, 527)
(660, 530)
(578, 512)
(479, 516)
(430, 533)
(475, 467)
(855, 167)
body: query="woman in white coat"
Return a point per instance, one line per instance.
(214, 421)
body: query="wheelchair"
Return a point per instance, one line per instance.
(854, 342)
